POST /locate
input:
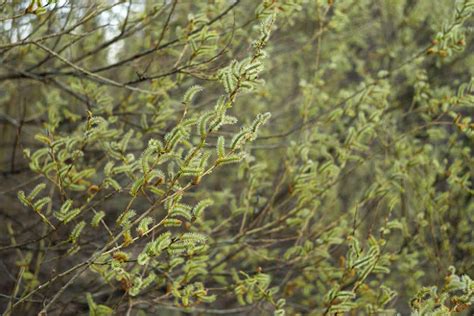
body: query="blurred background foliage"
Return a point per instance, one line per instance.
(356, 197)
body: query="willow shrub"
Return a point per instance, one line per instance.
(300, 157)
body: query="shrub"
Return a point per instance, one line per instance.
(298, 157)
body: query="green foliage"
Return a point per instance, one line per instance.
(297, 157)
(455, 296)
(97, 309)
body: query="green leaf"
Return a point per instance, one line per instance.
(137, 185)
(76, 232)
(190, 93)
(97, 218)
(40, 187)
(199, 208)
(221, 147)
